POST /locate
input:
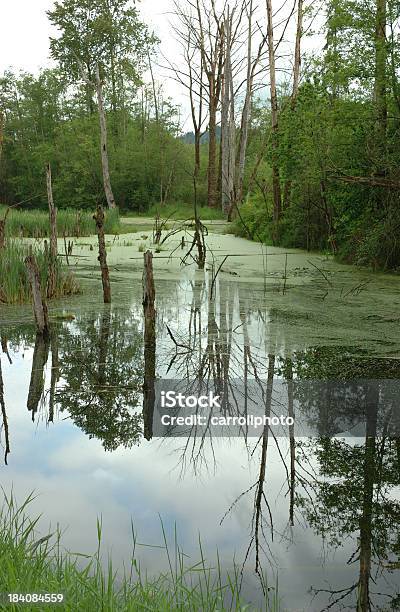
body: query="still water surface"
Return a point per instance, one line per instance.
(319, 514)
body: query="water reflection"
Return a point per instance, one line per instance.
(101, 376)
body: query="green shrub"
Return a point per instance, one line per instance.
(253, 221)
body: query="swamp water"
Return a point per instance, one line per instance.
(318, 517)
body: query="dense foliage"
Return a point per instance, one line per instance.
(339, 153)
(337, 139)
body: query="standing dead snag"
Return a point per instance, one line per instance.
(105, 276)
(276, 184)
(149, 345)
(52, 279)
(103, 136)
(39, 303)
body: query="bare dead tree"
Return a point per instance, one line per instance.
(228, 132)
(103, 138)
(52, 278)
(97, 84)
(206, 28)
(252, 64)
(276, 184)
(296, 84)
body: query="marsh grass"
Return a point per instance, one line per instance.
(34, 564)
(180, 211)
(72, 223)
(14, 283)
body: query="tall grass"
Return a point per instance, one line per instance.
(182, 211)
(34, 564)
(76, 223)
(14, 283)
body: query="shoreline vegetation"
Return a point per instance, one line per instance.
(32, 563)
(14, 283)
(70, 223)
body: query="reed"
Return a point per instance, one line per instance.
(14, 283)
(34, 564)
(72, 223)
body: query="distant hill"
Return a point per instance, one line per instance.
(189, 136)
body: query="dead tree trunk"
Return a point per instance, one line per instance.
(227, 125)
(295, 91)
(39, 303)
(149, 345)
(52, 279)
(276, 184)
(102, 258)
(103, 137)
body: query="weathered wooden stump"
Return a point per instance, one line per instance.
(105, 275)
(39, 303)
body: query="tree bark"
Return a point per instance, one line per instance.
(246, 112)
(52, 279)
(227, 121)
(103, 138)
(212, 152)
(276, 184)
(295, 90)
(102, 258)
(39, 304)
(380, 86)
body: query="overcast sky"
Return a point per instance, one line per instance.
(25, 30)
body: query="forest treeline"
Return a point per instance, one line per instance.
(291, 126)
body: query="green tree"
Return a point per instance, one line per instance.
(108, 33)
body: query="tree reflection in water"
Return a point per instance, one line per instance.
(102, 373)
(345, 490)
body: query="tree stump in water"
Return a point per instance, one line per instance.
(39, 303)
(105, 275)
